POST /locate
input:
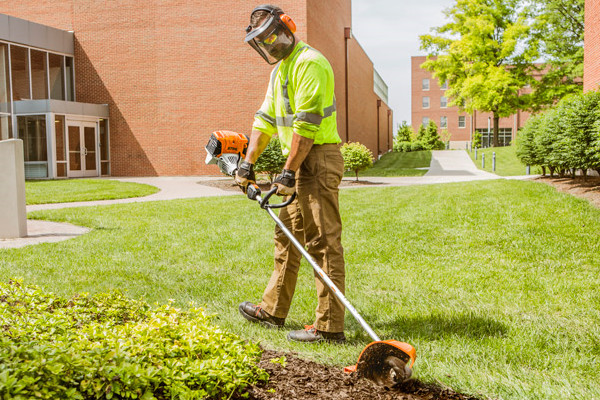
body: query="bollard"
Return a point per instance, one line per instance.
(475, 153)
(494, 161)
(528, 170)
(482, 160)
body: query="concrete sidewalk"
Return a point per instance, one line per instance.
(446, 167)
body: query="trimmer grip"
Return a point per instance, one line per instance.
(253, 191)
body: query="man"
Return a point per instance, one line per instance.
(300, 107)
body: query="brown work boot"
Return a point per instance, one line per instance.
(310, 334)
(254, 313)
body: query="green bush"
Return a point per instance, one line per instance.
(405, 134)
(565, 138)
(417, 146)
(271, 161)
(357, 157)
(476, 140)
(108, 346)
(403, 147)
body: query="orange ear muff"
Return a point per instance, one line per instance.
(289, 22)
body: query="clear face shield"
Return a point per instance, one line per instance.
(272, 40)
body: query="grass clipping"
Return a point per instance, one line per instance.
(109, 346)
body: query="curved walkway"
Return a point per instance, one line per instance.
(446, 167)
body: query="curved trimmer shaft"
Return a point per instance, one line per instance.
(317, 268)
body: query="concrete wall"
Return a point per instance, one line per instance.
(13, 214)
(591, 68)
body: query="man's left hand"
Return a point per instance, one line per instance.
(285, 183)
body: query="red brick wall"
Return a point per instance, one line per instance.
(326, 23)
(435, 112)
(591, 69)
(174, 71)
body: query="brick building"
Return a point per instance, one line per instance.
(171, 72)
(591, 64)
(428, 102)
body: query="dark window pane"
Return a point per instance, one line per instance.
(70, 78)
(57, 77)
(20, 73)
(61, 169)
(104, 151)
(59, 129)
(32, 130)
(39, 83)
(4, 84)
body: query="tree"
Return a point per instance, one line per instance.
(405, 133)
(558, 31)
(357, 157)
(482, 53)
(271, 161)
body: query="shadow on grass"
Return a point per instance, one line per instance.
(430, 327)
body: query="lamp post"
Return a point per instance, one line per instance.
(489, 126)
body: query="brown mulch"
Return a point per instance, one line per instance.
(588, 189)
(300, 379)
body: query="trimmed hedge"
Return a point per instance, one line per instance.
(108, 346)
(564, 139)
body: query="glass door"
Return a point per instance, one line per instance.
(82, 149)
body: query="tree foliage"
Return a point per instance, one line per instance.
(557, 30)
(565, 138)
(357, 157)
(271, 160)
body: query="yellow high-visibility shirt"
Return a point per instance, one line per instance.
(300, 98)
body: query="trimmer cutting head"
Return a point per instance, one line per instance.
(387, 363)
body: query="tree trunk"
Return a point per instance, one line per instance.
(356, 172)
(584, 172)
(495, 142)
(543, 170)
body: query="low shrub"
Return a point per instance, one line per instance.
(417, 146)
(108, 346)
(357, 157)
(403, 147)
(271, 161)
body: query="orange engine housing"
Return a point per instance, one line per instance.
(227, 142)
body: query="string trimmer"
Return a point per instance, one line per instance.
(386, 362)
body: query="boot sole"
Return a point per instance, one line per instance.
(255, 320)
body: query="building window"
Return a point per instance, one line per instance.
(39, 74)
(425, 102)
(70, 75)
(19, 58)
(425, 84)
(425, 121)
(443, 122)
(57, 77)
(444, 85)
(32, 130)
(104, 148)
(504, 137)
(443, 102)
(4, 83)
(462, 121)
(61, 146)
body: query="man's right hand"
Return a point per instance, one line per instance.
(245, 175)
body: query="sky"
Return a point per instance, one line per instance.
(388, 31)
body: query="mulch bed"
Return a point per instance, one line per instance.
(588, 189)
(301, 379)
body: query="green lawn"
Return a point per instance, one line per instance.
(496, 283)
(507, 163)
(399, 164)
(65, 191)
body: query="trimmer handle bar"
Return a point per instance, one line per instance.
(254, 193)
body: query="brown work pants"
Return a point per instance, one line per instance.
(314, 219)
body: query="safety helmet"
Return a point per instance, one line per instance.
(274, 39)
